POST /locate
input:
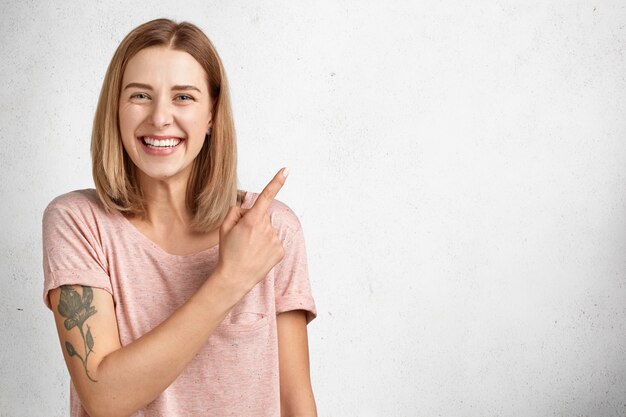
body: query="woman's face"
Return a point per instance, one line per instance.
(164, 112)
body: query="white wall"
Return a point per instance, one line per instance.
(458, 167)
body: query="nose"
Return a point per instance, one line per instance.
(161, 115)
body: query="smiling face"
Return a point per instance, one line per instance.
(164, 112)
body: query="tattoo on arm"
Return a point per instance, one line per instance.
(77, 309)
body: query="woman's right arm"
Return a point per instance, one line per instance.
(112, 380)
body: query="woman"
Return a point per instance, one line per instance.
(174, 294)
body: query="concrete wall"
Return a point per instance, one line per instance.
(458, 168)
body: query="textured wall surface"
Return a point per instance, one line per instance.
(458, 168)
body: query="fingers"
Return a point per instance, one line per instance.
(268, 194)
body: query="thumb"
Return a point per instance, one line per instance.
(232, 218)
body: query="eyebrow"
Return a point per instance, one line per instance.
(174, 88)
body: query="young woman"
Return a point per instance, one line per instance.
(175, 294)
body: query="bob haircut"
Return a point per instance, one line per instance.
(212, 186)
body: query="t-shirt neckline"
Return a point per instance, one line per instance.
(145, 241)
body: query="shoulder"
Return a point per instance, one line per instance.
(75, 199)
(281, 215)
(82, 205)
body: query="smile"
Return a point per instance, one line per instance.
(160, 143)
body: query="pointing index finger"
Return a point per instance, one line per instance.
(268, 194)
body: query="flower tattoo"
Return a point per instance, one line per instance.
(77, 310)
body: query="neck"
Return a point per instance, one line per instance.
(165, 202)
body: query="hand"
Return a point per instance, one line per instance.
(249, 247)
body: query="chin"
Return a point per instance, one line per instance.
(161, 175)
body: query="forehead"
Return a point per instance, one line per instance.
(162, 65)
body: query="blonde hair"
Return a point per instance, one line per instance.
(212, 186)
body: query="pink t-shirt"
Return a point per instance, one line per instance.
(236, 371)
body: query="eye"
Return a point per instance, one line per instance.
(140, 96)
(184, 97)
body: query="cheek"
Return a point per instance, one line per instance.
(127, 130)
(194, 121)
(124, 120)
(129, 121)
(195, 118)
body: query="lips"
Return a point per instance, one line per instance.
(160, 142)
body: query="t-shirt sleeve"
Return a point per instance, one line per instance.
(292, 287)
(72, 254)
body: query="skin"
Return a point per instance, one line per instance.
(149, 106)
(112, 380)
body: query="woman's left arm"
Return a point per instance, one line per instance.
(296, 394)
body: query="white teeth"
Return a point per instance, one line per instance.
(161, 143)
